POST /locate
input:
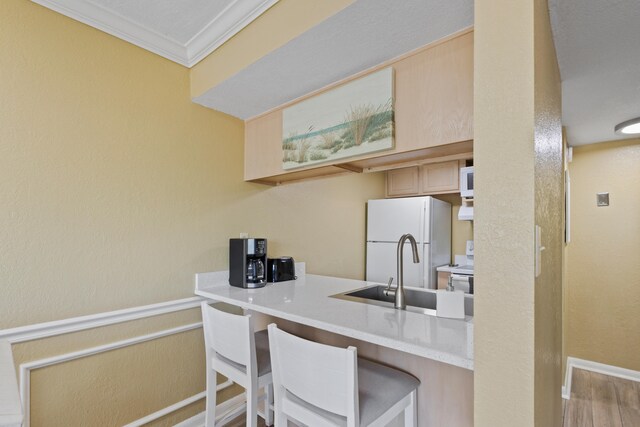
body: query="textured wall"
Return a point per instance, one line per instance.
(504, 214)
(516, 157)
(115, 190)
(549, 215)
(603, 288)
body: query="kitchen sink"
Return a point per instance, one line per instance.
(418, 300)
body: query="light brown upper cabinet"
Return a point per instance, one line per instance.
(434, 95)
(433, 117)
(403, 182)
(426, 179)
(440, 178)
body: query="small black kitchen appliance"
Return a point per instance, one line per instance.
(248, 262)
(281, 269)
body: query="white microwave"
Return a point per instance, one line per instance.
(466, 182)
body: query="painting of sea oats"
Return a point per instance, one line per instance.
(350, 120)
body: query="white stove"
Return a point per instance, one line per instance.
(462, 271)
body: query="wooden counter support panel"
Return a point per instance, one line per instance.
(443, 279)
(433, 109)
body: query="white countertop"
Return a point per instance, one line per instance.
(306, 301)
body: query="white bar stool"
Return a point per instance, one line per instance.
(321, 385)
(235, 351)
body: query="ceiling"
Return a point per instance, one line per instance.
(184, 31)
(598, 47)
(360, 36)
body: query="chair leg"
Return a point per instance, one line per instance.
(411, 412)
(268, 412)
(210, 414)
(252, 404)
(280, 417)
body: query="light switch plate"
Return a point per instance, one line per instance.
(538, 250)
(603, 199)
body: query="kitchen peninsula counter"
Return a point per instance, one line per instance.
(307, 301)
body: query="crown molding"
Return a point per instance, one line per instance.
(221, 28)
(228, 23)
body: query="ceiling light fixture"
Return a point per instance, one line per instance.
(629, 127)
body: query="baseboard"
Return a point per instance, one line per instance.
(233, 406)
(600, 368)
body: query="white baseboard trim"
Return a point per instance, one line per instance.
(600, 368)
(226, 411)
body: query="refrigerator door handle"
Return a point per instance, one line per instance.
(425, 204)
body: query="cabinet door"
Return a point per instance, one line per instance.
(434, 95)
(440, 178)
(403, 182)
(263, 146)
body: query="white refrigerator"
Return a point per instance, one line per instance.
(427, 219)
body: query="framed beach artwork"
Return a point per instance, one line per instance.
(350, 120)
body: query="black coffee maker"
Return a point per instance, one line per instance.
(248, 263)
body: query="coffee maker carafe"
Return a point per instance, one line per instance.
(247, 262)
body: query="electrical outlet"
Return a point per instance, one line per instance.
(469, 248)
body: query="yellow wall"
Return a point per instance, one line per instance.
(115, 190)
(518, 165)
(286, 20)
(549, 215)
(603, 288)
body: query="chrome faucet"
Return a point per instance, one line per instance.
(398, 292)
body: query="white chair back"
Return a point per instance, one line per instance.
(230, 345)
(321, 375)
(229, 335)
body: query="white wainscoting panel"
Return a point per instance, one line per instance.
(76, 324)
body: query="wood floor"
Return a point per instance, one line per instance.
(599, 400)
